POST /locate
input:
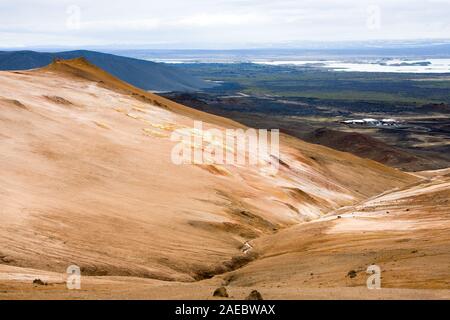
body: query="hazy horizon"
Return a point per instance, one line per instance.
(291, 46)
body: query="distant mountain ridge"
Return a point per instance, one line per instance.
(143, 74)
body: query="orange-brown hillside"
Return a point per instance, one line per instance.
(80, 67)
(88, 180)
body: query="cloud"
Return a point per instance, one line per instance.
(128, 25)
(216, 22)
(208, 19)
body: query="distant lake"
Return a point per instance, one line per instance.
(406, 60)
(353, 65)
(383, 65)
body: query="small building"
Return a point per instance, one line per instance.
(371, 122)
(360, 122)
(389, 122)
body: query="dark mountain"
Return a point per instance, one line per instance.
(143, 74)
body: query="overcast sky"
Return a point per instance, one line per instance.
(216, 23)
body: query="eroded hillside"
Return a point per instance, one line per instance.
(405, 232)
(87, 179)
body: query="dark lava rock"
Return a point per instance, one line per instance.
(254, 295)
(351, 274)
(39, 282)
(221, 292)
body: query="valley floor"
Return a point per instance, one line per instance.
(16, 283)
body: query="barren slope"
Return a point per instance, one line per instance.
(405, 232)
(87, 179)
